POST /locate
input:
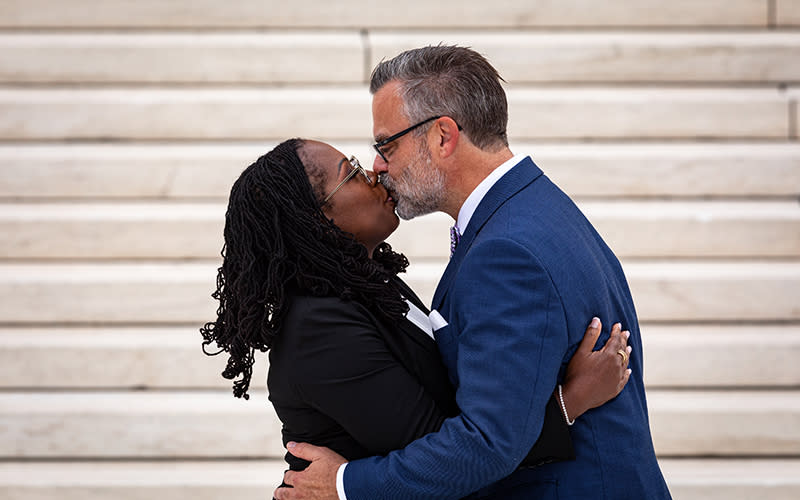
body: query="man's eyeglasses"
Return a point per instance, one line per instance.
(356, 169)
(378, 145)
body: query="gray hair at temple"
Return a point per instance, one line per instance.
(450, 81)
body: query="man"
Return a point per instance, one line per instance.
(526, 272)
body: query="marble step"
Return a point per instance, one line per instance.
(787, 12)
(210, 57)
(179, 292)
(214, 424)
(96, 170)
(348, 57)
(732, 479)
(329, 112)
(139, 424)
(655, 229)
(688, 479)
(732, 355)
(725, 423)
(676, 356)
(587, 57)
(141, 480)
(194, 230)
(414, 14)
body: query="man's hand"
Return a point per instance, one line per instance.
(318, 481)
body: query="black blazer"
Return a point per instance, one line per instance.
(339, 377)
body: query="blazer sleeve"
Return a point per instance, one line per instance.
(344, 369)
(508, 323)
(554, 443)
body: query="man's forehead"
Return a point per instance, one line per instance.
(386, 110)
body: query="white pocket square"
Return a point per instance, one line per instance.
(437, 321)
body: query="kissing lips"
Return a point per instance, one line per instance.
(386, 183)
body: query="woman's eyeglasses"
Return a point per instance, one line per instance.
(356, 169)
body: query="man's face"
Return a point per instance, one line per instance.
(409, 173)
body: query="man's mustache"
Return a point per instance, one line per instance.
(387, 182)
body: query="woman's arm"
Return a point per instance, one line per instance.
(595, 377)
(592, 379)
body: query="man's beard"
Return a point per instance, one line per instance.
(420, 188)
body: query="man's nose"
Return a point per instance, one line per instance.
(379, 166)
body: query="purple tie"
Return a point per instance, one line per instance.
(455, 236)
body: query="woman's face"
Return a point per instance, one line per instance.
(359, 206)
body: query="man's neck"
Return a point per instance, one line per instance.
(471, 170)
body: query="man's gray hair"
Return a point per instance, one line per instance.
(449, 81)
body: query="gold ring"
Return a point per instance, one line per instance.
(624, 355)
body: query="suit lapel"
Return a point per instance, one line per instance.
(511, 183)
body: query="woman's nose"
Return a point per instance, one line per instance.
(374, 177)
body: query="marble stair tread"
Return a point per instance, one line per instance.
(617, 56)
(214, 424)
(688, 479)
(149, 292)
(228, 56)
(157, 229)
(177, 57)
(595, 170)
(415, 14)
(216, 113)
(160, 357)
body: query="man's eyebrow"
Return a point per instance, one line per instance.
(380, 137)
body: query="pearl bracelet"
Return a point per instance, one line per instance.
(563, 406)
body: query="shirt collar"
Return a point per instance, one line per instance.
(474, 199)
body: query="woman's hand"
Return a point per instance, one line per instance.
(595, 377)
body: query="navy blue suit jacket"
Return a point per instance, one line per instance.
(529, 272)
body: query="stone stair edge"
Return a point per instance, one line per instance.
(737, 57)
(245, 13)
(139, 472)
(160, 209)
(124, 401)
(57, 270)
(114, 358)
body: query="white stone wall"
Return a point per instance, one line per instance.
(674, 125)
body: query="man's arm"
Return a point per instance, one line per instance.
(510, 330)
(593, 377)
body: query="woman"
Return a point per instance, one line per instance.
(353, 365)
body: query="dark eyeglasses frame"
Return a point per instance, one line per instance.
(378, 145)
(357, 169)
